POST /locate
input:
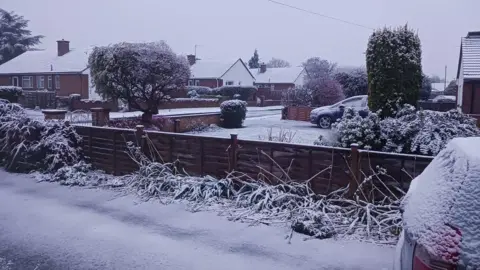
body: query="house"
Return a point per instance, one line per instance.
(468, 74)
(278, 78)
(63, 71)
(215, 74)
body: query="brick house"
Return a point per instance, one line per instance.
(468, 74)
(215, 74)
(278, 79)
(63, 71)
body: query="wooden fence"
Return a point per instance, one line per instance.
(328, 168)
(42, 99)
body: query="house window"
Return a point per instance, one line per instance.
(40, 82)
(57, 82)
(197, 82)
(190, 82)
(27, 82)
(15, 81)
(229, 83)
(49, 82)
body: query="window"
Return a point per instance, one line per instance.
(27, 82)
(40, 82)
(49, 82)
(190, 82)
(197, 82)
(353, 102)
(57, 82)
(15, 81)
(229, 83)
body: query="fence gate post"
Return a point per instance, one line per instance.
(139, 136)
(233, 149)
(355, 169)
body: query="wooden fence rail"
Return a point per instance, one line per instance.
(327, 168)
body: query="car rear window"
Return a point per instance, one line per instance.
(446, 197)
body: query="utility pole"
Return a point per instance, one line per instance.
(445, 82)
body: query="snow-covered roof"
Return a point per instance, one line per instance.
(444, 198)
(211, 69)
(438, 87)
(471, 57)
(46, 61)
(277, 75)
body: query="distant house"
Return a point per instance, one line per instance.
(468, 74)
(438, 87)
(63, 71)
(215, 74)
(278, 78)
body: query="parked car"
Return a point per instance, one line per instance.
(441, 212)
(326, 115)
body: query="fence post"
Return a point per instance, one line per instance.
(233, 148)
(114, 159)
(355, 169)
(139, 136)
(176, 126)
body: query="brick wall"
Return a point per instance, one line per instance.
(212, 83)
(189, 103)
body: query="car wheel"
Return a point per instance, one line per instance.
(324, 121)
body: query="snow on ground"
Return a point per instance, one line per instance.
(49, 226)
(258, 128)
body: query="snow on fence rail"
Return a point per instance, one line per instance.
(328, 168)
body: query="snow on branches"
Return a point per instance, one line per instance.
(140, 74)
(35, 145)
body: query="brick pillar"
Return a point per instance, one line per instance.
(54, 114)
(100, 116)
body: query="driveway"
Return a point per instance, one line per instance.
(48, 226)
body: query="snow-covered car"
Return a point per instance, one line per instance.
(326, 115)
(441, 212)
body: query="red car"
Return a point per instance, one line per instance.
(441, 212)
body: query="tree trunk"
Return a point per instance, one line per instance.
(147, 118)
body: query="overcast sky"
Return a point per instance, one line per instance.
(228, 29)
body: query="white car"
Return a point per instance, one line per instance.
(441, 212)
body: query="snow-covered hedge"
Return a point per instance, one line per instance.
(201, 90)
(10, 93)
(27, 144)
(233, 112)
(410, 131)
(300, 96)
(192, 94)
(244, 92)
(194, 99)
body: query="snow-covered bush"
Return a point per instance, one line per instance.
(325, 91)
(28, 144)
(352, 128)
(11, 93)
(410, 131)
(201, 90)
(233, 112)
(192, 94)
(299, 96)
(354, 83)
(245, 92)
(394, 66)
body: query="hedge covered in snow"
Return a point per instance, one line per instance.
(410, 131)
(233, 112)
(27, 144)
(10, 93)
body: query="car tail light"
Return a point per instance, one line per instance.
(448, 251)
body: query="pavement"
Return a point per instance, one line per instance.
(45, 226)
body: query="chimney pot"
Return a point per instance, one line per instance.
(263, 68)
(191, 59)
(63, 47)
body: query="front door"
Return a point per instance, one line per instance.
(15, 81)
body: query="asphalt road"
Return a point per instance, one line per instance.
(45, 226)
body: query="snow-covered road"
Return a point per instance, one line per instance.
(48, 226)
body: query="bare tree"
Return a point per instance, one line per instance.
(319, 68)
(278, 63)
(140, 74)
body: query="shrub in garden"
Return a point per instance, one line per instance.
(300, 96)
(35, 145)
(354, 83)
(201, 90)
(192, 94)
(11, 93)
(394, 69)
(233, 112)
(245, 92)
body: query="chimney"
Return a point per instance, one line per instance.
(473, 34)
(191, 59)
(263, 68)
(63, 47)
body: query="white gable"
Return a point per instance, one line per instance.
(46, 61)
(238, 74)
(205, 69)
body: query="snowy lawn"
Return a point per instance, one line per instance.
(78, 228)
(259, 128)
